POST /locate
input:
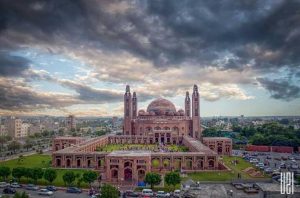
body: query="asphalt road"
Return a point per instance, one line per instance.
(57, 194)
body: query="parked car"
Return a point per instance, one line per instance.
(73, 190)
(95, 195)
(176, 193)
(282, 166)
(268, 170)
(3, 184)
(32, 187)
(162, 194)
(291, 158)
(284, 158)
(9, 190)
(147, 192)
(294, 166)
(15, 185)
(297, 158)
(130, 193)
(253, 160)
(45, 192)
(51, 188)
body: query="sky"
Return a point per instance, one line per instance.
(76, 57)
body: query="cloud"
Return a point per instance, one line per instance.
(160, 48)
(280, 89)
(17, 95)
(11, 65)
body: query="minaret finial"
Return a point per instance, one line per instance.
(127, 88)
(195, 88)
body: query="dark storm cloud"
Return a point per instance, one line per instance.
(16, 95)
(280, 89)
(91, 95)
(261, 35)
(11, 65)
(98, 96)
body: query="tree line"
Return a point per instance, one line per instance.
(269, 134)
(49, 174)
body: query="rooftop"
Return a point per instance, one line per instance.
(130, 153)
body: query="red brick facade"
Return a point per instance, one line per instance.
(161, 124)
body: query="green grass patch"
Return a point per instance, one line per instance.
(227, 175)
(150, 147)
(41, 161)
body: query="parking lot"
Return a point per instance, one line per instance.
(271, 162)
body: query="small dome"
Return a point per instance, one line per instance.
(161, 106)
(141, 112)
(181, 112)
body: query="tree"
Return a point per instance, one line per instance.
(50, 175)
(19, 172)
(45, 133)
(69, 177)
(4, 172)
(153, 179)
(37, 173)
(28, 144)
(28, 173)
(89, 177)
(20, 159)
(3, 140)
(172, 178)
(21, 195)
(109, 191)
(13, 146)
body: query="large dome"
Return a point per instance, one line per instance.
(161, 106)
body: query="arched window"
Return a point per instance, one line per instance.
(58, 162)
(78, 163)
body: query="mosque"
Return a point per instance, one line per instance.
(160, 124)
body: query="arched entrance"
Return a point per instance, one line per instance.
(189, 164)
(211, 163)
(220, 149)
(141, 175)
(68, 162)
(58, 162)
(200, 164)
(114, 174)
(128, 174)
(78, 163)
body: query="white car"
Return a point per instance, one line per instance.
(162, 194)
(45, 192)
(253, 160)
(15, 185)
(3, 184)
(147, 192)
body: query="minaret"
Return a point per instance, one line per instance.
(196, 114)
(134, 105)
(127, 111)
(187, 104)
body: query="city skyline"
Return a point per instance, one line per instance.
(60, 58)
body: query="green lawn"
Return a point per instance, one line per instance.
(40, 161)
(224, 176)
(150, 147)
